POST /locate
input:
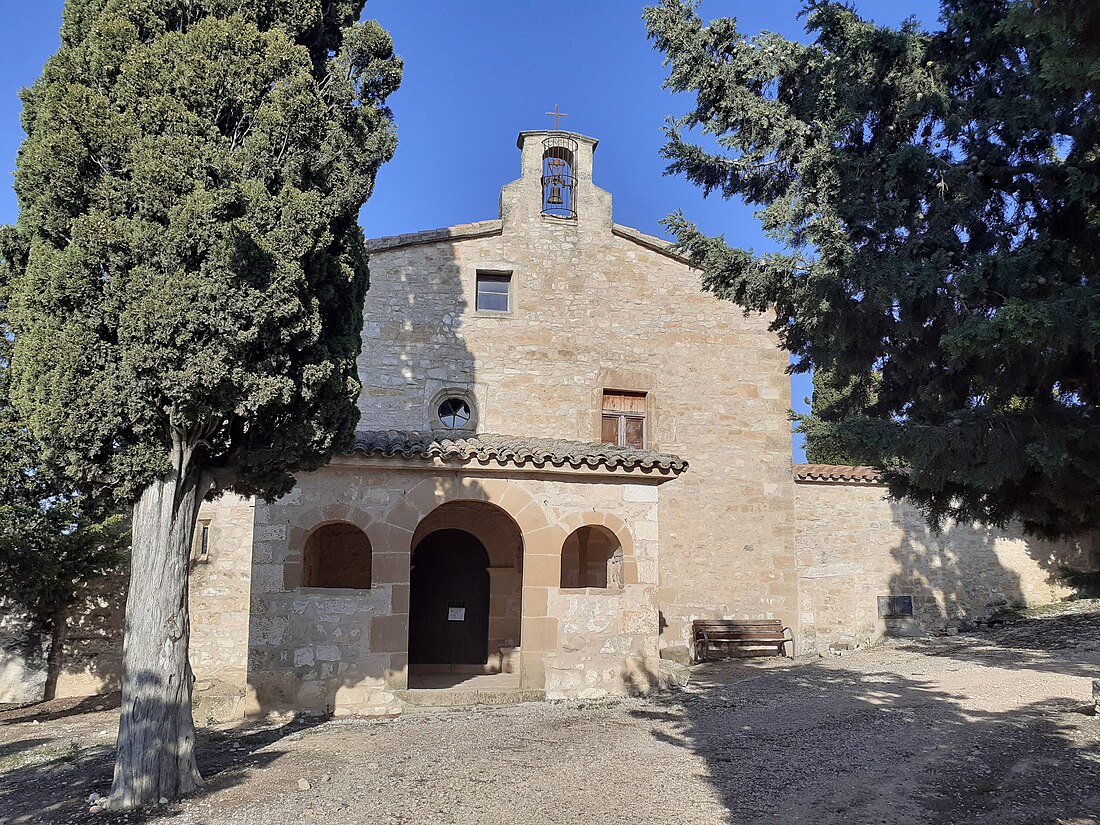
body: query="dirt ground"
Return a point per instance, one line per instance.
(987, 727)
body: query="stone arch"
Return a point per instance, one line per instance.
(410, 510)
(337, 554)
(306, 522)
(497, 531)
(614, 525)
(592, 556)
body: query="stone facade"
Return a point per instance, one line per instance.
(705, 521)
(347, 650)
(853, 545)
(600, 307)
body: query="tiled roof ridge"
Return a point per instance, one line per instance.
(843, 473)
(508, 449)
(478, 229)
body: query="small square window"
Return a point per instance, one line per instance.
(623, 419)
(892, 607)
(494, 292)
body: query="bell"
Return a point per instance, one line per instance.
(554, 198)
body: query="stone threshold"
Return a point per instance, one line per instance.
(428, 700)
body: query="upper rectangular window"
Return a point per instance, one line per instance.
(494, 292)
(624, 419)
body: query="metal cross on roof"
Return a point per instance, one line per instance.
(556, 114)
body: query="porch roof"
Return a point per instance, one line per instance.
(509, 449)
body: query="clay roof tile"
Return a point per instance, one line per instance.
(507, 449)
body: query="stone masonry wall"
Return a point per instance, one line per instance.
(853, 545)
(596, 307)
(219, 603)
(347, 650)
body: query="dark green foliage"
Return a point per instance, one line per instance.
(835, 400)
(50, 544)
(936, 193)
(194, 271)
(1086, 583)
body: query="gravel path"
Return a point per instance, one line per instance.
(985, 728)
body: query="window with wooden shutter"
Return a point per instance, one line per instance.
(623, 421)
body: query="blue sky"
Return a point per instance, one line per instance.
(480, 71)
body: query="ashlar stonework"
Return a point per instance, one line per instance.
(487, 504)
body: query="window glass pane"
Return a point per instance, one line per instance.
(494, 283)
(493, 303)
(610, 432)
(454, 413)
(493, 292)
(635, 432)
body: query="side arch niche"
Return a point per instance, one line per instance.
(337, 555)
(592, 556)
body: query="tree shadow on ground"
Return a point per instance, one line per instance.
(824, 744)
(60, 708)
(1066, 644)
(55, 789)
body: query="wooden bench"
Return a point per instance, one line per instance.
(749, 637)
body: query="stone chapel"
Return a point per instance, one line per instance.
(567, 452)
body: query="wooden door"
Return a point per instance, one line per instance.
(449, 600)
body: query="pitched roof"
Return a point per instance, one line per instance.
(837, 473)
(508, 449)
(462, 231)
(482, 229)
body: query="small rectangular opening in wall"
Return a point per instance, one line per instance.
(494, 292)
(202, 542)
(891, 607)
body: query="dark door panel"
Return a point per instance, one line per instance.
(449, 600)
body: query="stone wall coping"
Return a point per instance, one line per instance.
(837, 474)
(649, 242)
(462, 231)
(529, 133)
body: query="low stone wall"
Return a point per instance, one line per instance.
(93, 643)
(607, 642)
(92, 659)
(852, 546)
(22, 658)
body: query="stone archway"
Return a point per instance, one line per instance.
(458, 547)
(540, 557)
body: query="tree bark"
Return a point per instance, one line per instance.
(156, 734)
(56, 657)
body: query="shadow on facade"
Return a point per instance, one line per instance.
(319, 649)
(92, 646)
(966, 572)
(831, 746)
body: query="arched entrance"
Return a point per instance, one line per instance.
(465, 599)
(449, 600)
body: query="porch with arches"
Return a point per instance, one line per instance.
(394, 577)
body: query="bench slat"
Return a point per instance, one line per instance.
(751, 636)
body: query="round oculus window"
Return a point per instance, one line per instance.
(454, 413)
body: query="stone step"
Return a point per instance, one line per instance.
(428, 699)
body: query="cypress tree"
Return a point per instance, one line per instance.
(936, 196)
(52, 543)
(187, 315)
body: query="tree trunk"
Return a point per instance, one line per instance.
(56, 657)
(156, 734)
